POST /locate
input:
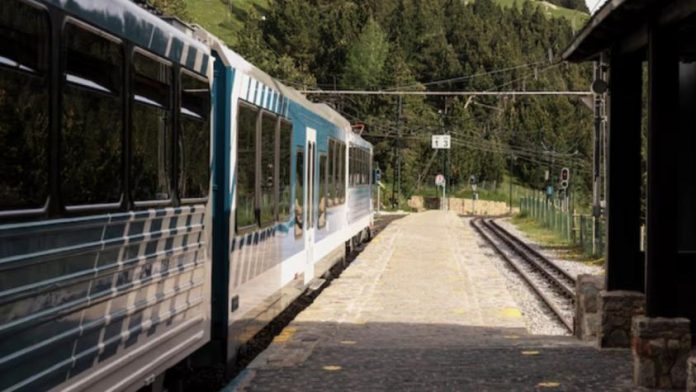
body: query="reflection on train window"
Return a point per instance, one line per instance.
(299, 193)
(246, 165)
(311, 183)
(151, 129)
(24, 106)
(91, 139)
(267, 170)
(194, 137)
(284, 171)
(330, 190)
(342, 172)
(323, 171)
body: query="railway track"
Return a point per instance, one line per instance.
(553, 285)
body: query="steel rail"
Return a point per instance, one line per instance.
(556, 274)
(548, 301)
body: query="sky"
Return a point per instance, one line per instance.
(593, 4)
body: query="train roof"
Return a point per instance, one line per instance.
(125, 19)
(233, 59)
(236, 61)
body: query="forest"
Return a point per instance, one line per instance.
(435, 45)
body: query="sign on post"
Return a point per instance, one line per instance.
(441, 142)
(473, 182)
(440, 180)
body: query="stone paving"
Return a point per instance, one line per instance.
(423, 309)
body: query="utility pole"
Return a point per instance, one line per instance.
(398, 148)
(448, 180)
(512, 158)
(599, 88)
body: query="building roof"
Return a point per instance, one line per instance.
(615, 20)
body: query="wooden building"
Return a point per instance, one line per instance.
(650, 49)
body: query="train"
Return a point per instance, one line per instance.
(161, 198)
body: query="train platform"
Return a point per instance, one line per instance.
(422, 308)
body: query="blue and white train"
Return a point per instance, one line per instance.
(161, 199)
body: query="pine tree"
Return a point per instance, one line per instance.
(366, 59)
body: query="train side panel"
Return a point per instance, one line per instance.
(101, 296)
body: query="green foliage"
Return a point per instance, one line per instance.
(366, 58)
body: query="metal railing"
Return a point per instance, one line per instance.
(580, 230)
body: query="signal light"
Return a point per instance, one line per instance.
(565, 174)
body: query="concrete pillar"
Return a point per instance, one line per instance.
(587, 289)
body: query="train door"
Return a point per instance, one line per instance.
(310, 173)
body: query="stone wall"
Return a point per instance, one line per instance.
(617, 308)
(660, 350)
(587, 289)
(691, 372)
(461, 206)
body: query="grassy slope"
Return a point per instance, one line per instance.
(221, 19)
(549, 239)
(576, 18)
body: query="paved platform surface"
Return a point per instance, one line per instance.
(423, 309)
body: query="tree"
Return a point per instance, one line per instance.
(366, 58)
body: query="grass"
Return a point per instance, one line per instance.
(223, 18)
(500, 193)
(577, 18)
(550, 239)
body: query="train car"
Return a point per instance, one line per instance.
(284, 205)
(161, 199)
(105, 212)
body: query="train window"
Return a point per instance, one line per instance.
(151, 129)
(246, 166)
(331, 180)
(351, 165)
(284, 170)
(342, 172)
(299, 193)
(355, 153)
(364, 167)
(311, 183)
(24, 106)
(92, 126)
(358, 166)
(269, 123)
(194, 137)
(323, 174)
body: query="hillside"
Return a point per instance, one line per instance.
(225, 18)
